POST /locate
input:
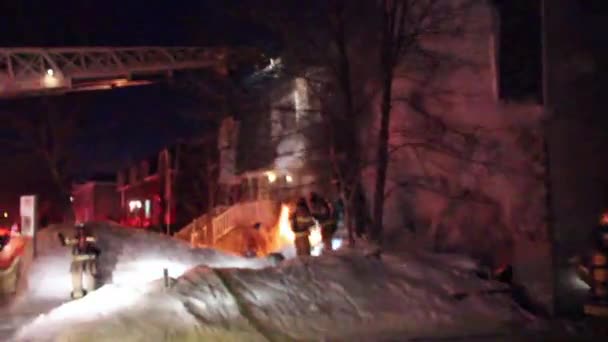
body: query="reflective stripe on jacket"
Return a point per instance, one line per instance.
(83, 257)
(304, 220)
(302, 223)
(328, 222)
(302, 234)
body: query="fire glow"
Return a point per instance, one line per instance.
(286, 234)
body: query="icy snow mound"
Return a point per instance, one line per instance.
(344, 296)
(128, 257)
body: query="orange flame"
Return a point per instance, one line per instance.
(286, 233)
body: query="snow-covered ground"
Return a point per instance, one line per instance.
(129, 257)
(342, 296)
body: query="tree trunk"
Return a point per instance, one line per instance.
(64, 191)
(350, 169)
(388, 56)
(382, 161)
(348, 216)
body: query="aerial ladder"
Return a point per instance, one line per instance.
(26, 71)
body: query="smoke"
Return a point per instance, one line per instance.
(291, 152)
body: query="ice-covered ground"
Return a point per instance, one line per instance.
(343, 296)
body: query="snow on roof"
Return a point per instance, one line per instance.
(343, 296)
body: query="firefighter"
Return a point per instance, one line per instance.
(301, 221)
(262, 238)
(323, 213)
(253, 240)
(600, 235)
(594, 270)
(84, 256)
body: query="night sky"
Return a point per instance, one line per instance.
(126, 22)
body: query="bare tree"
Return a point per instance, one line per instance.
(403, 25)
(50, 132)
(197, 188)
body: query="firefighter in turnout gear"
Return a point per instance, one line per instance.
(597, 271)
(322, 212)
(84, 257)
(301, 221)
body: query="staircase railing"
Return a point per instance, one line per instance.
(194, 232)
(224, 223)
(241, 214)
(229, 218)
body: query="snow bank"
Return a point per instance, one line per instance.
(342, 296)
(128, 257)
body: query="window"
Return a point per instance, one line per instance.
(134, 205)
(148, 209)
(519, 50)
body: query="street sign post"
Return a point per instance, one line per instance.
(28, 211)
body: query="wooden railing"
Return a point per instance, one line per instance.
(224, 223)
(241, 214)
(195, 232)
(226, 219)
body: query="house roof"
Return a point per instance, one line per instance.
(97, 178)
(103, 177)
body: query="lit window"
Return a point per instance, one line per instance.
(134, 205)
(271, 176)
(147, 209)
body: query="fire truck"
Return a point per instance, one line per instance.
(5, 229)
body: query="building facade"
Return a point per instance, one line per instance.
(282, 146)
(145, 191)
(167, 190)
(95, 200)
